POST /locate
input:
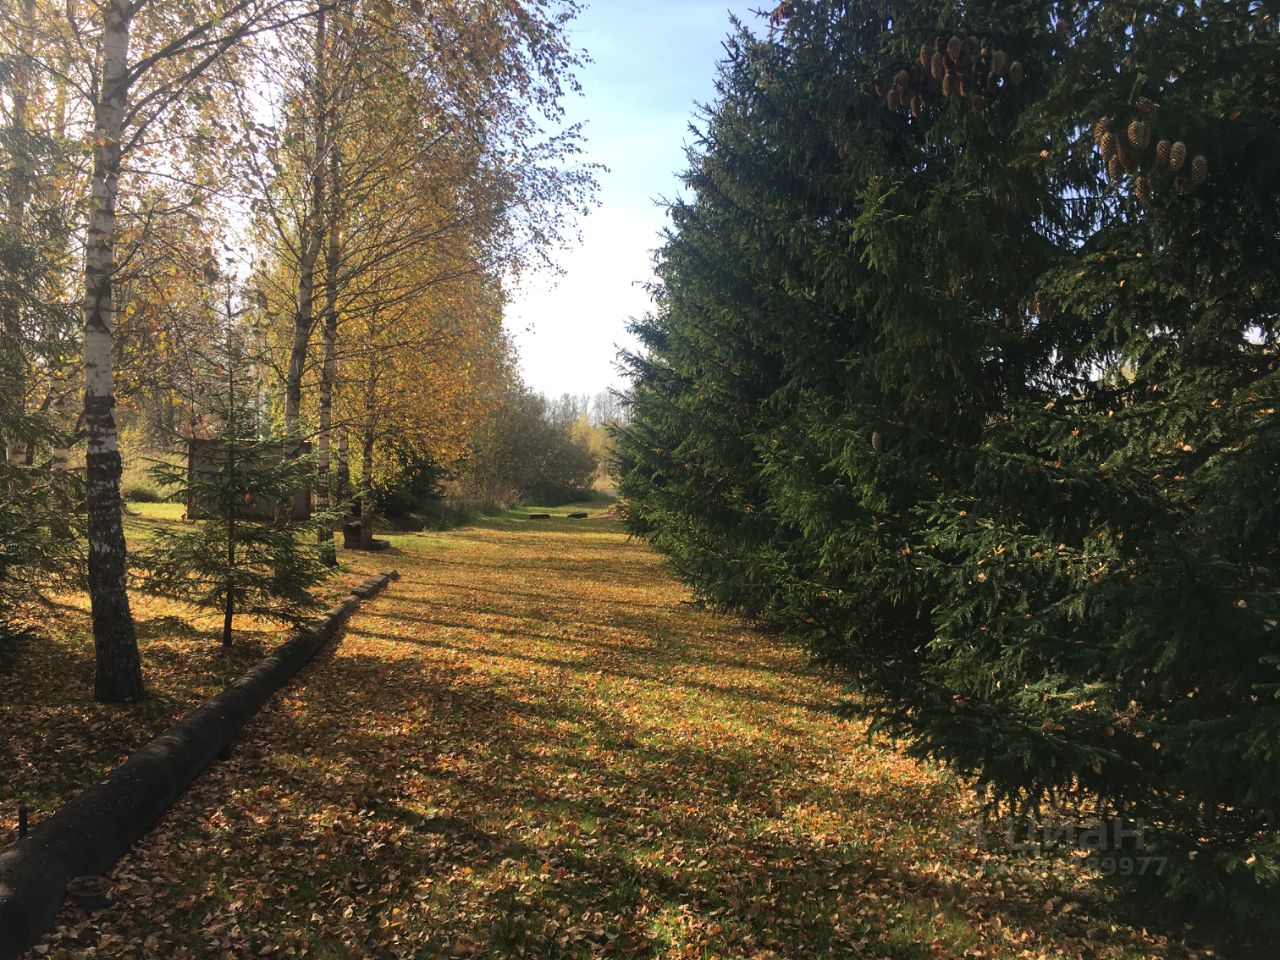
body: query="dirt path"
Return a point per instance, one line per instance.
(533, 746)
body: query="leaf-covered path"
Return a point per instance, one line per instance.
(533, 745)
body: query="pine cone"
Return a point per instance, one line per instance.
(955, 49)
(1115, 169)
(1147, 107)
(1107, 145)
(1127, 155)
(1162, 153)
(901, 79)
(938, 66)
(925, 55)
(877, 442)
(893, 99)
(1142, 190)
(1199, 169)
(1139, 134)
(1015, 72)
(949, 85)
(1177, 156)
(1000, 63)
(974, 45)
(1100, 129)
(917, 105)
(964, 86)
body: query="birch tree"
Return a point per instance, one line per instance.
(436, 170)
(129, 91)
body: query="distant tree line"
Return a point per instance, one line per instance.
(528, 449)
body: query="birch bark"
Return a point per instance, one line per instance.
(118, 677)
(329, 369)
(343, 489)
(313, 237)
(367, 443)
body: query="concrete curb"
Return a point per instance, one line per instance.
(97, 826)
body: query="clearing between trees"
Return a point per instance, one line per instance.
(535, 745)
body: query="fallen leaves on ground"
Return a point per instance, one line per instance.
(57, 740)
(533, 745)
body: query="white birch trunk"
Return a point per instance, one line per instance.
(119, 673)
(312, 239)
(329, 369)
(367, 442)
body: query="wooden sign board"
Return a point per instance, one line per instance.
(201, 456)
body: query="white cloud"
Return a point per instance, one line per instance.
(569, 332)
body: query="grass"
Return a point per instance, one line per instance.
(534, 746)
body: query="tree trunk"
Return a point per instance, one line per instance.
(119, 670)
(60, 455)
(312, 241)
(329, 370)
(15, 451)
(343, 489)
(229, 608)
(228, 617)
(366, 486)
(366, 448)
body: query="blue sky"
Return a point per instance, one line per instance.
(654, 60)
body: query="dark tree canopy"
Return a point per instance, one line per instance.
(964, 371)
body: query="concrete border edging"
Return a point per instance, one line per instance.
(98, 825)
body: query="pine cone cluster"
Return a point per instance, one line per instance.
(1128, 150)
(952, 66)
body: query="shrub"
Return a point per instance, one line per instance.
(410, 490)
(526, 453)
(41, 506)
(142, 493)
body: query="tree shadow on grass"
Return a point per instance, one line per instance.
(413, 795)
(587, 665)
(435, 584)
(568, 573)
(670, 844)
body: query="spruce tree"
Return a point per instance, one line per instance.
(41, 505)
(243, 551)
(41, 523)
(963, 371)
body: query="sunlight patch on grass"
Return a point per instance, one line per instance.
(533, 745)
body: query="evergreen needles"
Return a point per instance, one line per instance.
(245, 551)
(1056, 563)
